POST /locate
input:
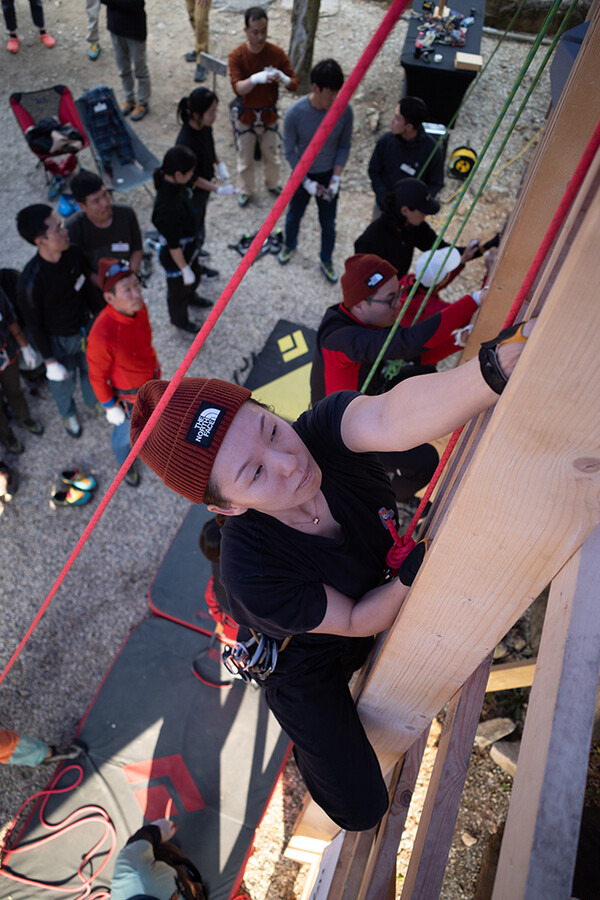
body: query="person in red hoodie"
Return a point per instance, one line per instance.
(120, 354)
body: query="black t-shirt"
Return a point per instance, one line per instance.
(120, 239)
(173, 216)
(203, 145)
(275, 575)
(395, 244)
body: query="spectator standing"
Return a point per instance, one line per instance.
(198, 12)
(10, 19)
(256, 69)
(12, 340)
(403, 151)
(323, 179)
(120, 354)
(56, 302)
(126, 21)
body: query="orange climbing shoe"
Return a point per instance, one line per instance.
(13, 44)
(46, 39)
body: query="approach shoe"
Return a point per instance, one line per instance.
(94, 51)
(190, 56)
(12, 443)
(72, 426)
(70, 497)
(200, 302)
(13, 44)
(58, 753)
(243, 198)
(32, 426)
(46, 39)
(132, 476)
(139, 111)
(329, 272)
(208, 274)
(79, 480)
(201, 73)
(190, 327)
(285, 254)
(127, 106)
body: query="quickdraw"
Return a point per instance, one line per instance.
(256, 658)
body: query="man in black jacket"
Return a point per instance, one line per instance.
(126, 21)
(406, 151)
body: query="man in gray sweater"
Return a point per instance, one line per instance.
(323, 179)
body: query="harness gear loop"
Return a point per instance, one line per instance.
(255, 658)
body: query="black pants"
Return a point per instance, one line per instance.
(416, 468)
(179, 296)
(37, 13)
(12, 390)
(336, 760)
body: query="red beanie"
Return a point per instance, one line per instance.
(363, 275)
(182, 446)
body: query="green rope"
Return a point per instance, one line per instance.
(472, 87)
(523, 71)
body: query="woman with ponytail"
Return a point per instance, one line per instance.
(197, 112)
(173, 216)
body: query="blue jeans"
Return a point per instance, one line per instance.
(120, 442)
(327, 211)
(69, 351)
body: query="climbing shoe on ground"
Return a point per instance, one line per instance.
(94, 51)
(69, 497)
(284, 255)
(78, 479)
(329, 272)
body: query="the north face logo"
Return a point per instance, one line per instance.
(205, 424)
(374, 279)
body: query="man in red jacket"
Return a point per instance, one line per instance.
(120, 354)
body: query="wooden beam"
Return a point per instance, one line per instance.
(427, 864)
(509, 529)
(537, 858)
(559, 150)
(511, 675)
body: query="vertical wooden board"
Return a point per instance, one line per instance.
(527, 502)
(559, 150)
(537, 858)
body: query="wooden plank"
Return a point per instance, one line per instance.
(351, 865)
(427, 864)
(382, 868)
(511, 675)
(559, 150)
(541, 445)
(537, 858)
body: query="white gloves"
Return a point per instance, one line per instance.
(461, 336)
(167, 828)
(311, 187)
(222, 171)
(479, 296)
(334, 185)
(260, 77)
(29, 356)
(284, 79)
(115, 415)
(225, 189)
(55, 371)
(188, 276)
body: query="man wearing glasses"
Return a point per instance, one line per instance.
(351, 335)
(120, 354)
(56, 302)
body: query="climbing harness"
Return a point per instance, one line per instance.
(237, 109)
(255, 658)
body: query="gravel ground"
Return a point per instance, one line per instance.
(104, 595)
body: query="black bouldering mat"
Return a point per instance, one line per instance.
(161, 743)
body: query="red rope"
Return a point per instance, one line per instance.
(296, 178)
(85, 815)
(551, 234)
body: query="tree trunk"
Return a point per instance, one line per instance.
(305, 16)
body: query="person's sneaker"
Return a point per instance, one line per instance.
(46, 39)
(329, 272)
(200, 302)
(127, 106)
(285, 254)
(32, 426)
(13, 44)
(139, 111)
(243, 198)
(132, 476)
(12, 443)
(203, 252)
(201, 73)
(72, 426)
(190, 327)
(190, 56)
(275, 190)
(208, 274)
(94, 51)
(61, 752)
